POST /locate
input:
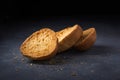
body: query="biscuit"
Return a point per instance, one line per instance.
(68, 37)
(87, 40)
(41, 45)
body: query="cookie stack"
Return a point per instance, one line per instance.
(46, 43)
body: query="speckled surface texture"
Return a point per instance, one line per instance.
(101, 62)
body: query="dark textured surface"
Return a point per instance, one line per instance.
(101, 62)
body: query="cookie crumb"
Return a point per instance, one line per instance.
(22, 59)
(61, 69)
(81, 62)
(16, 69)
(31, 64)
(92, 71)
(15, 57)
(74, 74)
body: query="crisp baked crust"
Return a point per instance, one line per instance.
(87, 40)
(68, 37)
(42, 44)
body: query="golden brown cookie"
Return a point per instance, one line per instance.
(41, 45)
(68, 37)
(87, 40)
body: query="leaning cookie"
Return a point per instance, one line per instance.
(87, 40)
(68, 37)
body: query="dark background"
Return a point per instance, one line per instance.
(101, 62)
(21, 19)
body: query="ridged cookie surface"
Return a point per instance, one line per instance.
(87, 40)
(68, 37)
(41, 45)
